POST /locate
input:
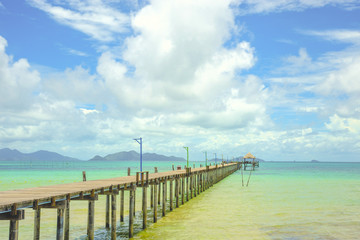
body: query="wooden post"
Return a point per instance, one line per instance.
(195, 184)
(183, 190)
(84, 176)
(14, 230)
(177, 191)
(134, 203)
(144, 205)
(151, 195)
(131, 211)
(91, 217)
(191, 186)
(67, 220)
(122, 205)
(159, 193)
(60, 224)
(107, 217)
(173, 168)
(164, 198)
(37, 217)
(14, 216)
(128, 171)
(198, 184)
(113, 216)
(171, 194)
(155, 201)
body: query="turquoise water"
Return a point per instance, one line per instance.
(282, 201)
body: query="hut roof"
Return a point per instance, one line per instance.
(249, 155)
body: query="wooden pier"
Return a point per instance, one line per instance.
(183, 186)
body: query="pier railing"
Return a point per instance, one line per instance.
(183, 186)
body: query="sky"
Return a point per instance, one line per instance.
(279, 79)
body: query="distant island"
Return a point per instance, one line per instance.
(315, 161)
(7, 154)
(134, 156)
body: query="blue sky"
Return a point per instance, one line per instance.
(279, 79)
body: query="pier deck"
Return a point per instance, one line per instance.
(197, 180)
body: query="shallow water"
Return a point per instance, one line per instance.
(282, 201)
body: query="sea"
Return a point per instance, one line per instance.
(283, 200)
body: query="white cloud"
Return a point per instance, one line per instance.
(18, 82)
(339, 124)
(265, 6)
(345, 80)
(77, 52)
(95, 18)
(175, 83)
(177, 70)
(341, 35)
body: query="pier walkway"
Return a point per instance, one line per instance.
(182, 185)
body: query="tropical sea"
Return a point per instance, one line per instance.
(284, 200)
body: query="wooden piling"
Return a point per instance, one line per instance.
(14, 230)
(195, 184)
(187, 188)
(84, 176)
(164, 198)
(67, 220)
(37, 215)
(131, 210)
(155, 202)
(91, 217)
(122, 193)
(151, 195)
(171, 194)
(107, 212)
(144, 205)
(177, 191)
(159, 194)
(60, 224)
(113, 216)
(182, 189)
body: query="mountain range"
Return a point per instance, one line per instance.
(134, 156)
(7, 154)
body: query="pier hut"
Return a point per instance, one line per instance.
(249, 161)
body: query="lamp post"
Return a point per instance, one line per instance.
(205, 158)
(187, 156)
(139, 140)
(215, 158)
